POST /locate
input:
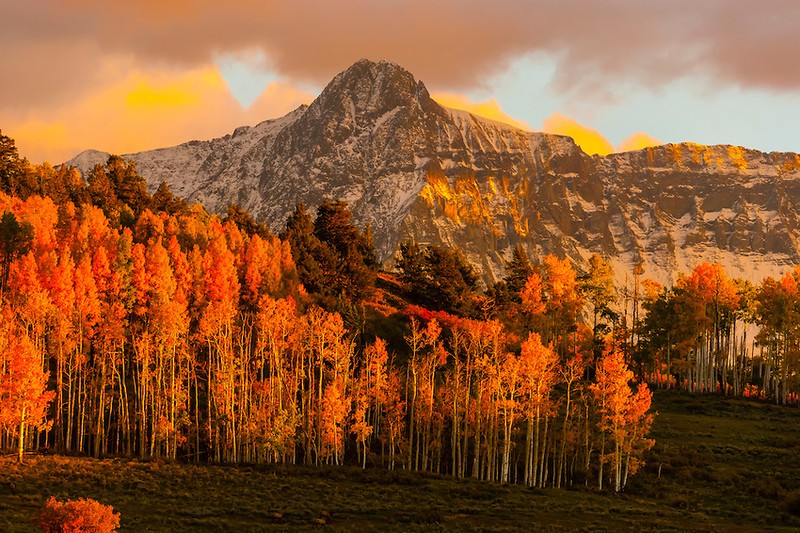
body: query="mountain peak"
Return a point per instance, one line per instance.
(87, 159)
(382, 65)
(373, 88)
(413, 170)
(366, 68)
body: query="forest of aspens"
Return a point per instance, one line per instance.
(138, 325)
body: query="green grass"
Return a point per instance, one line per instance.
(725, 465)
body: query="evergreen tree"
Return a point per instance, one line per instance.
(334, 226)
(12, 168)
(518, 271)
(412, 265)
(164, 200)
(598, 287)
(117, 184)
(307, 250)
(354, 262)
(452, 281)
(439, 278)
(129, 186)
(101, 190)
(506, 293)
(660, 337)
(245, 221)
(15, 239)
(334, 259)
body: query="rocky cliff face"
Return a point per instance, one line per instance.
(415, 170)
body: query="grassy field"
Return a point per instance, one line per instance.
(718, 465)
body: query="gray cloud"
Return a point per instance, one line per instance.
(451, 45)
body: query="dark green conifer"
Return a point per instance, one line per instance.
(15, 240)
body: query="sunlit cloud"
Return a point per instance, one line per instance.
(638, 141)
(148, 94)
(41, 141)
(146, 110)
(488, 108)
(590, 140)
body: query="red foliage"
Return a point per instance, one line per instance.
(426, 315)
(24, 397)
(77, 516)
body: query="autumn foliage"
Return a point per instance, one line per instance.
(624, 419)
(24, 397)
(77, 516)
(184, 335)
(142, 326)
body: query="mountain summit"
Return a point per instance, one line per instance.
(413, 169)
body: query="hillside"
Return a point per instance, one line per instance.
(718, 465)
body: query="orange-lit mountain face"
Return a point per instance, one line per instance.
(413, 169)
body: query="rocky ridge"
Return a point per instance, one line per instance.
(413, 169)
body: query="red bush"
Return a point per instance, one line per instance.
(78, 516)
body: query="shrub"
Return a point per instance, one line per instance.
(766, 488)
(791, 502)
(77, 516)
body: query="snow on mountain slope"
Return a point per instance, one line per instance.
(413, 169)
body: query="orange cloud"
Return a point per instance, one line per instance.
(590, 140)
(488, 109)
(145, 110)
(637, 141)
(149, 94)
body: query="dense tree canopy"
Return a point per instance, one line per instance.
(144, 326)
(179, 334)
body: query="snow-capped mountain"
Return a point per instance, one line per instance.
(413, 169)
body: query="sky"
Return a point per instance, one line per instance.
(615, 74)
